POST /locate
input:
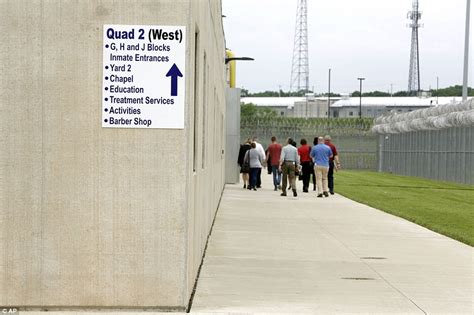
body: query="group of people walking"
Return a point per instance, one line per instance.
(288, 162)
(251, 160)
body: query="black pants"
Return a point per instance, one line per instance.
(306, 169)
(331, 176)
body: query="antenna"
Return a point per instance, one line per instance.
(414, 72)
(300, 67)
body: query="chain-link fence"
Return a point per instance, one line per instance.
(435, 143)
(446, 154)
(356, 144)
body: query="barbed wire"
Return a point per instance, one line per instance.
(315, 123)
(440, 117)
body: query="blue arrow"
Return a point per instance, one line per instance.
(174, 73)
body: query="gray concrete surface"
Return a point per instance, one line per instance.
(303, 255)
(232, 144)
(101, 217)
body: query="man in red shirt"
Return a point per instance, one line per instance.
(273, 161)
(306, 161)
(333, 162)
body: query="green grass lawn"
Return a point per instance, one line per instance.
(443, 207)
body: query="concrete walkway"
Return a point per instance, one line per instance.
(309, 255)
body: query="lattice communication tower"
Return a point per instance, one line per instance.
(300, 64)
(414, 74)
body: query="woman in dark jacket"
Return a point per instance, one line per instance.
(244, 170)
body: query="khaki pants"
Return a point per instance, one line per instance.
(288, 169)
(321, 178)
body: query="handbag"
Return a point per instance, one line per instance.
(246, 165)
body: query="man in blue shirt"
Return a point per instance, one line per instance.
(321, 154)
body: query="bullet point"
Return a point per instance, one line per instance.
(106, 46)
(106, 88)
(106, 110)
(105, 120)
(106, 78)
(106, 99)
(106, 67)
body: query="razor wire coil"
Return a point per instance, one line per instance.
(435, 118)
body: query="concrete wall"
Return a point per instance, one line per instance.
(206, 160)
(232, 169)
(96, 217)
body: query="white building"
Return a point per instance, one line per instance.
(293, 106)
(376, 106)
(282, 105)
(345, 107)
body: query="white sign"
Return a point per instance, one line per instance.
(143, 81)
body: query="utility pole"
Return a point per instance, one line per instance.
(306, 107)
(437, 89)
(360, 97)
(329, 94)
(360, 118)
(466, 51)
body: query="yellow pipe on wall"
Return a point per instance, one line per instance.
(231, 68)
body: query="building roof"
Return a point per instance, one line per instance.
(353, 101)
(396, 101)
(277, 101)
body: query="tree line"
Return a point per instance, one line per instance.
(250, 110)
(455, 90)
(280, 93)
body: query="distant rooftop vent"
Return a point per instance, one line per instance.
(424, 94)
(310, 96)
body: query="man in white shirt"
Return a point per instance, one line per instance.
(289, 161)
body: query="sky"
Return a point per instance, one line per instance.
(355, 38)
